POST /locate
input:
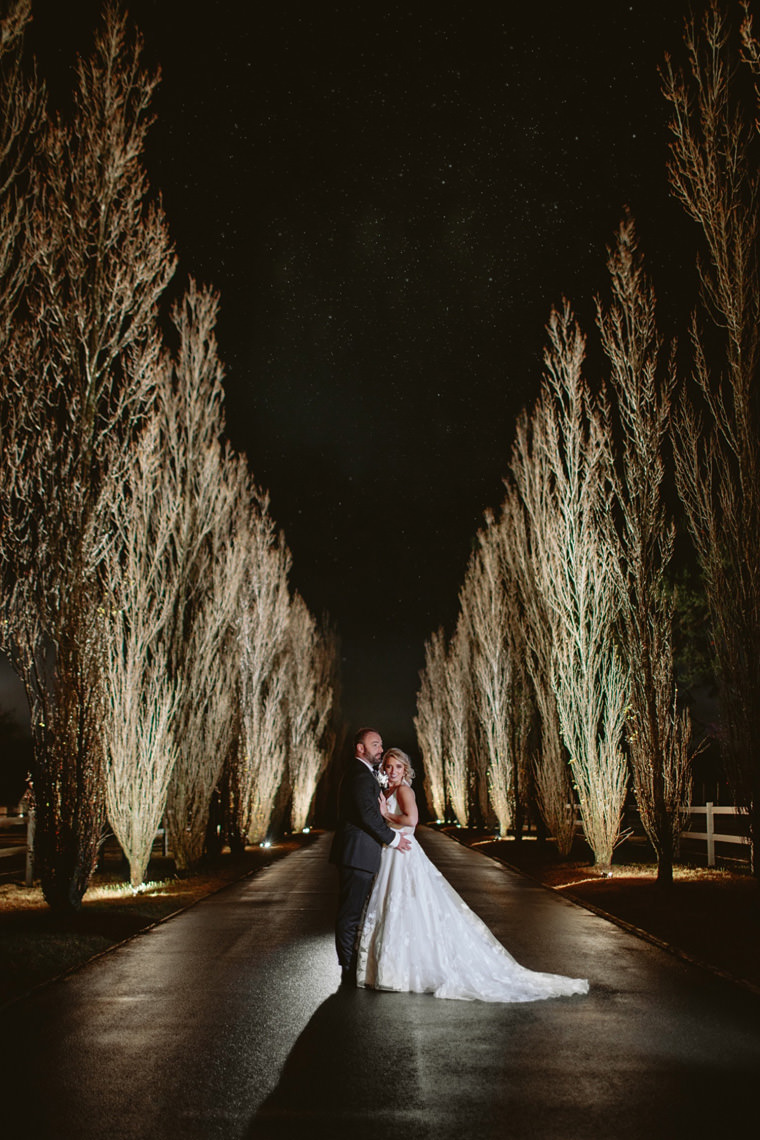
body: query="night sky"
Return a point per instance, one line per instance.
(389, 199)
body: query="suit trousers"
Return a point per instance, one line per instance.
(353, 891)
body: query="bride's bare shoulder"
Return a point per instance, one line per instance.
(405, 795)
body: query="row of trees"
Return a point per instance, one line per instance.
(144, 596)
(559, 680)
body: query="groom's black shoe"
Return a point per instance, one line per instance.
(347, 979)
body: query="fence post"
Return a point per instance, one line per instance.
(29, 872)
(710, 829)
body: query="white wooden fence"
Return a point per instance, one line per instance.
(710, 811)
(7, 822)
(28, 848)
(709, 836)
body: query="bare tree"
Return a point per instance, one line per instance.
(430, 722)
(658, 732)
(22, 106)
(230, 790)
(574, 570)
(79, 375)
(458, 697)
(210, 548)
(265, 744)
(520, 701)
(484, 605)
(713, 173)
(335, 730)
(140, 696)
(263, 627)
(551, 776)
(309, 700)
(21, 112)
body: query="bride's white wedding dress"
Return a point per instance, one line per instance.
(419, 936)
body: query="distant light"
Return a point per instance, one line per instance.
(266, 843)
(306, 830)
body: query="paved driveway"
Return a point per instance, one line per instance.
(226, 1022)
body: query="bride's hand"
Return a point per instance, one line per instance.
(383, 805)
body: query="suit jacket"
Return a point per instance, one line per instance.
(361, 830)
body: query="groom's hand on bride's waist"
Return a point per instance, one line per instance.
(404, 843)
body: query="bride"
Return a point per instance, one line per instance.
(419, 936)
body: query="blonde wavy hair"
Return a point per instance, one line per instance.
(397, 754)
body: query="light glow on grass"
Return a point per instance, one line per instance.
(501, 839)
(125, 890)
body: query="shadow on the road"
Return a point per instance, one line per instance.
(377, 1065)
(341, 1077)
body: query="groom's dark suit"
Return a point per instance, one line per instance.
(359, 837)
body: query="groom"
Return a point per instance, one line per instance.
(358, 842)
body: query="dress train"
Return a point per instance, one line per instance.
(419, 936)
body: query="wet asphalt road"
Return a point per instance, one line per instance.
(226, 1022)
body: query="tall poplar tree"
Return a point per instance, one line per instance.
(79, 374)
(714, 175)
